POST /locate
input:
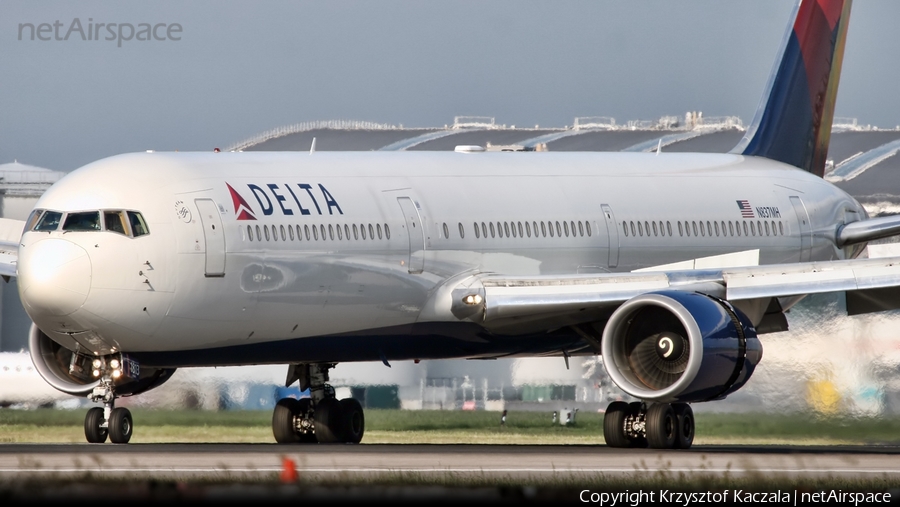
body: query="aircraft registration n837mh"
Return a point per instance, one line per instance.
(667, 264)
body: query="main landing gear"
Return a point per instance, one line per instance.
(657, 425)
(109, 421)
(321, 417)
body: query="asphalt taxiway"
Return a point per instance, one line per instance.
(184, 461)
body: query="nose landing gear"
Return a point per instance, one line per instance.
(321, 417)
(109, 421)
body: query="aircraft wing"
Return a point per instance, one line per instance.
(10, 234)
(871, 285)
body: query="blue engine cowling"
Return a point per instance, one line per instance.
(681, 346)
(70, 372)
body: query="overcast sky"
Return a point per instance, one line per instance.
(228, 70)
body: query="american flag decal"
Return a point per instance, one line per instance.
(746, 210)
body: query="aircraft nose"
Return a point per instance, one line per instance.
(54, 276)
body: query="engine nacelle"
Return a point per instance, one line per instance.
(71, 372)
(681, 346)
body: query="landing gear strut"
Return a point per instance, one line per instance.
(109, 421)
(657, 425)
(320, 418)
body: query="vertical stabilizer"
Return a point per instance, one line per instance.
(793, 121)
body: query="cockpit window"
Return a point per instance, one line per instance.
(33, 219)
(138, 226)
(83, 221)
(115, 222)
(49, 221)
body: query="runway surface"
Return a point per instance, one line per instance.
(183, 461)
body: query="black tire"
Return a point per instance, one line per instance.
(92, 430)
(614, 425)
(684, 414)
(662, 426)
(634, 409)
(283, 421)
(329, 421)
(354, 421)
(121, 426)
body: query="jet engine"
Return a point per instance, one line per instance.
(678, 346)
(72, 372)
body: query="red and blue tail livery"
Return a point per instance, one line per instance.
(793, 122)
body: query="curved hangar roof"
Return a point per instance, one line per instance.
(861, 159)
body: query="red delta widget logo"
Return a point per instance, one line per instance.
(287, 199)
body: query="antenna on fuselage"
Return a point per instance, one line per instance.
(312, 147)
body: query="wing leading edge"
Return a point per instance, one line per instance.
(10, 235)
(487, 298)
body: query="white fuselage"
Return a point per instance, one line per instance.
(303, 250)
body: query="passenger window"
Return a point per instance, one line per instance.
(633, 233)
(528, 229)
(355, 232)
(371, 232)
(746, 229)
(780, 229)
(535, 228)
(84, 221)
(702, 229)
(709, 228)
(283, 235)
(250, 232)
(362, 230)
(347, 232)
(49, 221)
(266, 230)
(655, 232)
(680, 230)
(506, 228)
(558, 230)
(462, 231)
(625, 228)
(520, 230)
(550, 226)
(483, 230)
(759, 227)
(752, 229)
(138, 225)
(694, 224)
(331, 232)
(306, 232)
(291, 232)
(730, 229)
(378, 228)
(274, 233)
(492, 229)
(500, 230)
(322, 230)
(640, 229)
(767, 228)
(580, 228)
(669, 227)
(387, 231)
(477, 231)
(566, 228)
(587, 225)
(446, 231)
(315, 233)
(647, 228)
(299, 232)
(544, 229)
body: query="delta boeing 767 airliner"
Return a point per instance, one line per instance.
(668, 265)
